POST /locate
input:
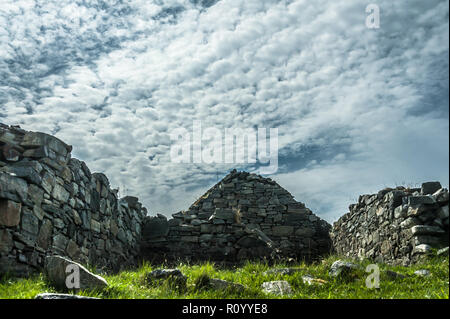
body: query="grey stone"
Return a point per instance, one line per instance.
(342, 268)
(45, 234)
(400, 211)
(250, 242)
(55, 270)
(444, 212)
(310, 280)
(305, 232)
(47, 295)
(282, 230)
(13, 188)
(95, 226)
(442, 251)
(409, 222)
(173, 276)
(417, 200)
(283, 271)
(6, 242)
(423, 273)
(426, 230)
(26, 172)
(59, 243)
(422, 249)
(279, 287)
(9, 213)
(30, 224)
(430, 188)
(441, 196)
(60, 193)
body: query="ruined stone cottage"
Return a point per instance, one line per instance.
(244, 216)
(52, 204)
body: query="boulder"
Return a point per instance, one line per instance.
(56, 270)
(341, 268)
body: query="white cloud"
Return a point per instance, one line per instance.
(115, 82)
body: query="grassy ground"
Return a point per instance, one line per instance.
(132, 285)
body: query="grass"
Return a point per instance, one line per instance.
(132, 284)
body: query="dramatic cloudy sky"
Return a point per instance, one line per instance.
(357, 109)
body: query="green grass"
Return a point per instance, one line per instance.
(132, 284)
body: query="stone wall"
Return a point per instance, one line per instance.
(51, 203)
(396, 226)
(244, 216)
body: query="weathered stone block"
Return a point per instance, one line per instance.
(9, 213)
(430, 188)
(45, 234)
(60, 193)
(6, 241)
(56, 270)
(282, 230)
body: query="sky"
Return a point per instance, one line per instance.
(357, 109)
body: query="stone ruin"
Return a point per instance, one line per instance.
(395, 226)
(244, 216)
(52, 204)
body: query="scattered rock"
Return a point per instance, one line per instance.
(56, 273)
(280, 287)
(48, 295)
(341, 268)
(283, 271)
(443, 251)
(174, 277)
(423, 273)
(310, 280)
(422, 249)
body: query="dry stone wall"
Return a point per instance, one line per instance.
(395, 226)
(244, 216)
(51, 204)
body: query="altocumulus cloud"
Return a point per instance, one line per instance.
(356, 109)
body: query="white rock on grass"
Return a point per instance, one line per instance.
(47, 295)
(280, 287)
(422, 273)
(57, 272)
